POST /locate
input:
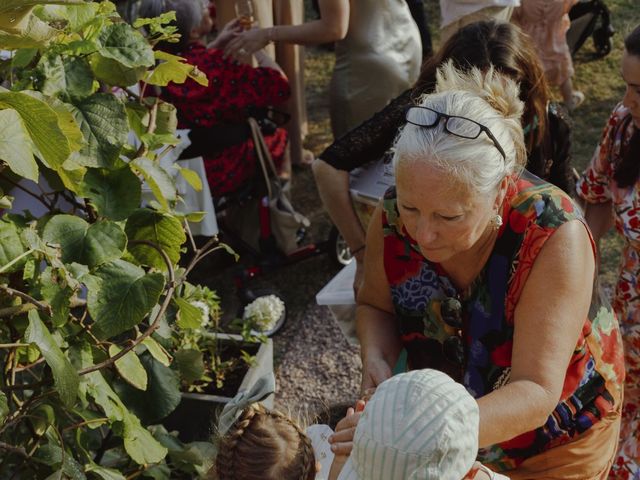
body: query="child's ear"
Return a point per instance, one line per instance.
(318, 467)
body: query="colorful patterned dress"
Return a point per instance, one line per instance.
(533, 210)
(598, 186)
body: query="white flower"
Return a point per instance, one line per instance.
(204, 308)
(264, 312)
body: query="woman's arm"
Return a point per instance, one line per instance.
(375, 322)
(600, 219)
(333, 186)
(549, 317)
(332, 26)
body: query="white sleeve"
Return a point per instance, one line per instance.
(319, 436)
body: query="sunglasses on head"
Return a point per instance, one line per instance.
(453, 124)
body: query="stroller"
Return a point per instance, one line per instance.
(590, 18)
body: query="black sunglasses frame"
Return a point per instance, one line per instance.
(440, 116)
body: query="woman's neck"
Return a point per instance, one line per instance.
(465, 267)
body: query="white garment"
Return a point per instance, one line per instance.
(452, 10)
(319, 436)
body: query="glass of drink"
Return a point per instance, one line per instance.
(244, 12)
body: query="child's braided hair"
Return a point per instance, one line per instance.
(264, 445)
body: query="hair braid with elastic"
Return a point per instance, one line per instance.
(305, 447)
(227, 445)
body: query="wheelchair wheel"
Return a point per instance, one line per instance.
(248, 296)
(338, 249)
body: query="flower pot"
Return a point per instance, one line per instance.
(196, 416)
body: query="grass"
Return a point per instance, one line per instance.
(598, 78)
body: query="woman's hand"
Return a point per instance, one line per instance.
(228, 33)
(375, 370)
(247, 43)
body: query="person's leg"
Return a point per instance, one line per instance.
(419, 15)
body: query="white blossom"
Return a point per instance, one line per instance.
(264, 312)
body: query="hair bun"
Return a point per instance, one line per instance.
(498, 90)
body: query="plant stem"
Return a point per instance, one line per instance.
(13, 345)
(13, 449)
(17, 310)
(28, 298)
(16, 260)
(27, 191)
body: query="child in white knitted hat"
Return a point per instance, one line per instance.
(419, 425)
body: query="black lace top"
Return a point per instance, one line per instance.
(551, 160)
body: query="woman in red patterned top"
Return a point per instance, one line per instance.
(611, 187)
(217, 114)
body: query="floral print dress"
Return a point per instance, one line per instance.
(420, 289)
(598, 186)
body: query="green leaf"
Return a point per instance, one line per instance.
(23, 57)
(27, 31)
(162, 395)
(163, 229)
(174, 69)
(120, 296)
(122, 43)
(41, 121)
(104, 473)
(69, 76)
(113, 72)
(113, 193)
(190, 364)
(64, 375)
(166, 119)
(103, 122)
(195, 216)
(140, 444)
(157, 351)
(4, 406)
(76, 16)
(89, 244)
(130, 368)
(54, 290)
(8, 5)
(189, 316)
(15, 146)
(159, 181)
(192, 178)
(11, 246)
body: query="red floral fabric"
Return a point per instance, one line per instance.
(233, 90)
(598, 186)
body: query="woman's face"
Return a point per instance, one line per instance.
(631, 76)
(445, 218)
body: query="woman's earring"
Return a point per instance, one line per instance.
(497, 221)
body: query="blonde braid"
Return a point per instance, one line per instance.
(228, 444)
(305, 448)
(250, 426)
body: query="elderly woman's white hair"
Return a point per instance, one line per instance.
(488, 98)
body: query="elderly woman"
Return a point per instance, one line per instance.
(611, 188)
(487, 275)
(509, 50)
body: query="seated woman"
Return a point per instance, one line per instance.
(485, 272)
(503, 45)
(217, 114)
(611, 187)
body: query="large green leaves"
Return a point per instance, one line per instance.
(41, 122)
(122, 43)
(84, 243)
(64, 375)
(15, 149)
(161, 397)
(158, 179)
(120, 296)
(138, 442)
(160, 228)
(174, 69)
(69, 76)
(114, 193)
(103, 121)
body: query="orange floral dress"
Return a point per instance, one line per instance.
(598, 186)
